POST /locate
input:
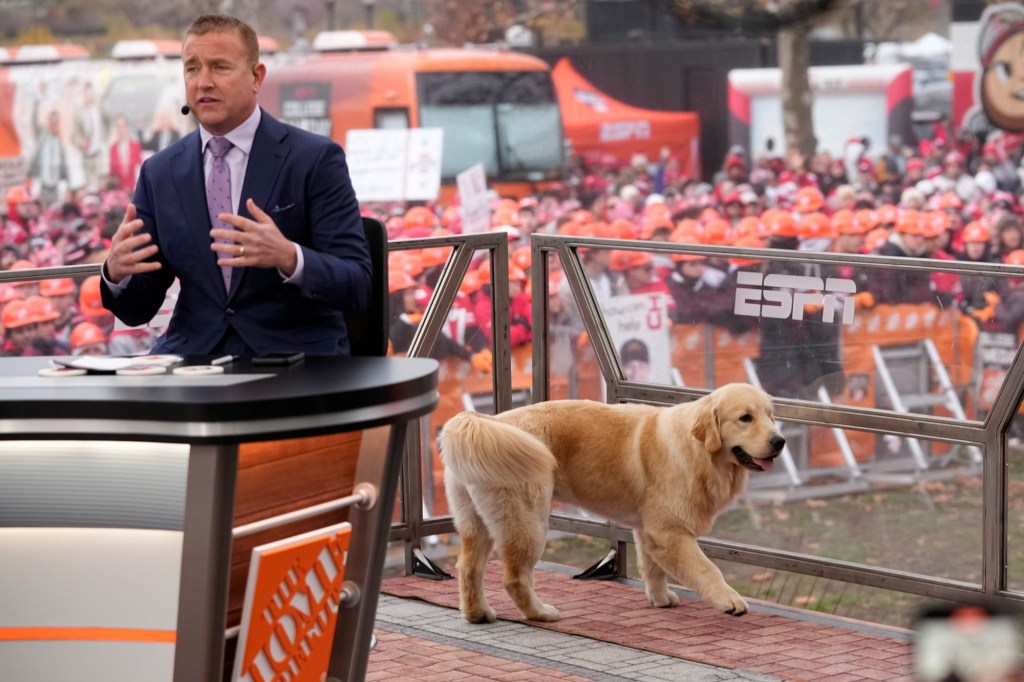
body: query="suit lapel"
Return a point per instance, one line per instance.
(188, 179)
(266, 158)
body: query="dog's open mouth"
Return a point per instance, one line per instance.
(752, 463)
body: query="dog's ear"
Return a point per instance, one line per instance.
(705, 426)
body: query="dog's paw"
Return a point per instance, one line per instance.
(733, 604)
(545, 614)
(663, 599)
(478, 617)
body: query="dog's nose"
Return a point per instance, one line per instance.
(777, 442)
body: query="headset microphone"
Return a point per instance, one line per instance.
(185, 111)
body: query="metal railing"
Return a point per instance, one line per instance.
(987, 436)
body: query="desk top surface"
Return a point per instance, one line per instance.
(316, 395)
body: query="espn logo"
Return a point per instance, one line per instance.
(789, 295)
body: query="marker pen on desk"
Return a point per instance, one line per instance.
(224, 360)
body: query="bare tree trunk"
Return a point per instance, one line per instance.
(797, 124)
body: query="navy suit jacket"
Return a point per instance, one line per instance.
(301, 180)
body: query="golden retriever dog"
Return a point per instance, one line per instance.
(665, 472)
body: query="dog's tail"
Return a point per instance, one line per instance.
(481, 450)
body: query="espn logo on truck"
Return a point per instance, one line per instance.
(784, 297)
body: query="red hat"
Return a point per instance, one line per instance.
(915, 164)
(865, 166)
(734, 160)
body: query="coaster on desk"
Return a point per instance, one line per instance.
(141, 370)
(198, 370)
(159, 359)
(61, 372)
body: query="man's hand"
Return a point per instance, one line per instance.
(129, 251)
(253, 243)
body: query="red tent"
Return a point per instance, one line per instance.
(594, 122)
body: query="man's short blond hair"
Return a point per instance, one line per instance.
(212, 23)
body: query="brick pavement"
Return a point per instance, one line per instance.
(770, 642)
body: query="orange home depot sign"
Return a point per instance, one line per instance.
(291, 607)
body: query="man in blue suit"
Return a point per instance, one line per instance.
(276, 271)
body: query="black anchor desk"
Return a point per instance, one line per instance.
(213, 414)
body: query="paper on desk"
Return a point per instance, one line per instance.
(96, 363)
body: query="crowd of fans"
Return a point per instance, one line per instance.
(946, 198)
(60, 316)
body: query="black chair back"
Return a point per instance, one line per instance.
(368, 330)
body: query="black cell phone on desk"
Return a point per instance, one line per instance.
(282, 358)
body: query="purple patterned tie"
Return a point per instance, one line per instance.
(218, 193)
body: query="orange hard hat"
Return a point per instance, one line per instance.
(471, 283)
(434, 256)
(86, 334)
(808, 200)
(420, 216)
(908, 221)
(888, 214)
(623, 229)
(1012, 258)
(602, 230)
(874, 239)
(57, 287)
(687, 231)
(717, 232)
(521, 258)
(709, 214)
(624, 260)
(398, 280)
(934, 223)
(18, 195)
(504, 216)
(555, 279)
(747, 226)
(408, 261)
(16, 314)
(89, 298)
(842, 221)
(976, 232)
(950, 200)
(657, 210)
(8, 293)
(781, 224)
(582, 217)
(748, 242)
(484, 270)
(654, 223)
(865, 220)
(815, 226)
(41, 310)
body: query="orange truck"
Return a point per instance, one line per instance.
(494, 106)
